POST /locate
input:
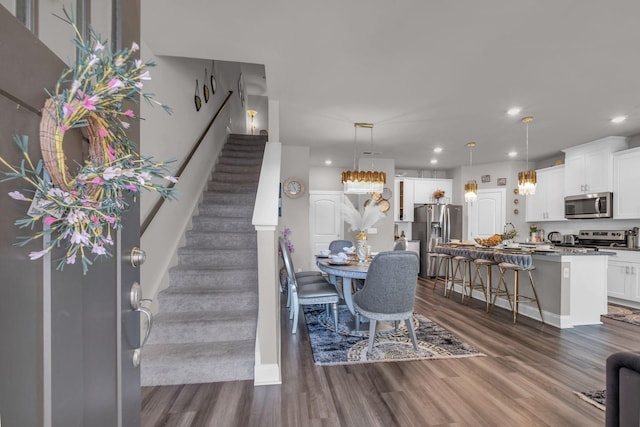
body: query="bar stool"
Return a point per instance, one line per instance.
(518, 263)
(448, 267)
(486, 286)
(460, 275)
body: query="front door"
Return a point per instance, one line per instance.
(68, 338)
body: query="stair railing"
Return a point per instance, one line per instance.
(156, 208)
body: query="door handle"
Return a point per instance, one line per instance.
(135, 299)
(136, 257)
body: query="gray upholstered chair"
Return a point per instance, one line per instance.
(313, 291)
(302, 277)
(389, 291)
(337, 246)
(623, 389)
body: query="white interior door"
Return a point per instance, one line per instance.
(325, 221)
(487, 215)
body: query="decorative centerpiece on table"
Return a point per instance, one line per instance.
(510, 232)
(79, 212)
(361, 222)
(490, 241)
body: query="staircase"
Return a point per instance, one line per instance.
(205, 328)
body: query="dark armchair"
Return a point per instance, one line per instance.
(623, 389)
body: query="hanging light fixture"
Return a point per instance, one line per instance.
(363, 182)
(471, 187)
(527, 179)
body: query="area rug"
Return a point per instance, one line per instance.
(623, 314)
(329, 348)
(595, 397)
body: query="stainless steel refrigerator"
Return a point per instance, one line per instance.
(433, 224)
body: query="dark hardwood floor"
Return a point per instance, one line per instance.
(527, 378)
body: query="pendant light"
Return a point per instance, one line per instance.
(527, 179)
(363, 182)
(471, 187)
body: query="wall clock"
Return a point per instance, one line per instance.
(293, 187)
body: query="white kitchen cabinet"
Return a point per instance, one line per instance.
(547, 204)
(589, 167)
(425, 187)
(626, 176)
(623, 276)
(403, 204)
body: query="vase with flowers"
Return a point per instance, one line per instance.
(437, 195)
(361, 222)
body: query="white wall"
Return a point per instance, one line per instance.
(166, 137)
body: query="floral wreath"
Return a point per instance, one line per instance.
(80, 212)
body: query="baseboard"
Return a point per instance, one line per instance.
(268, 374)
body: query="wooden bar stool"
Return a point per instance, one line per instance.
(461, 273)
(448, 267)
(519, 263)
(486, 285)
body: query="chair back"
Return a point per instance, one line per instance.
(337, 245)
(390, 286)
(288, 263)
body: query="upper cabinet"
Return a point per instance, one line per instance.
(425, 187)
(626, 176)
(417, 191)
(403, 207)
(547, 204)
(589, 167)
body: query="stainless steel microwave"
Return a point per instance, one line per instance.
(595, 205)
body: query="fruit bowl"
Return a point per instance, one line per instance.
(489, 242)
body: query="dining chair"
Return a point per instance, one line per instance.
(319, 291)
(389, 291)
(303, 277)
(337, 246)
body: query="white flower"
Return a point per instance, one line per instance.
(111, 172)
(171, 178)
(93, 61)
(138, 63)
(134, 46)
(145, 76)
(36, 255)
(99, 46)
(17, 195)
(80, 238)
(144, 176)
(98, 249)
(119, 62)
(71, 259)
(76, 216)
(129, 173)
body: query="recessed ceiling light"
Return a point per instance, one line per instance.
(434, 161)
(437, 150)
(514, 111)
(512, 153)
(327, 162)
(619, 119)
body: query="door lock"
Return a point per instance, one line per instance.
(136, 257)
(135, 299)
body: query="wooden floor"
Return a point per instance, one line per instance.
(527, 379)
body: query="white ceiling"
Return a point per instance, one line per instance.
(427, 73)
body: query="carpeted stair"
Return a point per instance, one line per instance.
(205, 328)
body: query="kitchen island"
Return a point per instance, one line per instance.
(571, 286)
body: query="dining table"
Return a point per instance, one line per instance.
(341, 275)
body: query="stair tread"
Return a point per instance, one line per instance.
(203, 352)
(203, 291)
(206, 316)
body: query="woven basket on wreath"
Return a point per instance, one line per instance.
(55, 161)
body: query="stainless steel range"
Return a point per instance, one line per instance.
(613, 238)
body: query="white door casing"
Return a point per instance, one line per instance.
(325, 221)
(487, 215)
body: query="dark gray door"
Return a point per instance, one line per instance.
(67, 339)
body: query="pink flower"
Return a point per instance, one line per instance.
(110, 219)
(94, 219)
(67, 110)
(112, 153)
(89, 103)
(63, 128)
(98, 250)
(50, 220)
(97, 180)
(103, 133)
(114, 85)
(131, 187)
(17, 195)
(129, 113)
(125, 125)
